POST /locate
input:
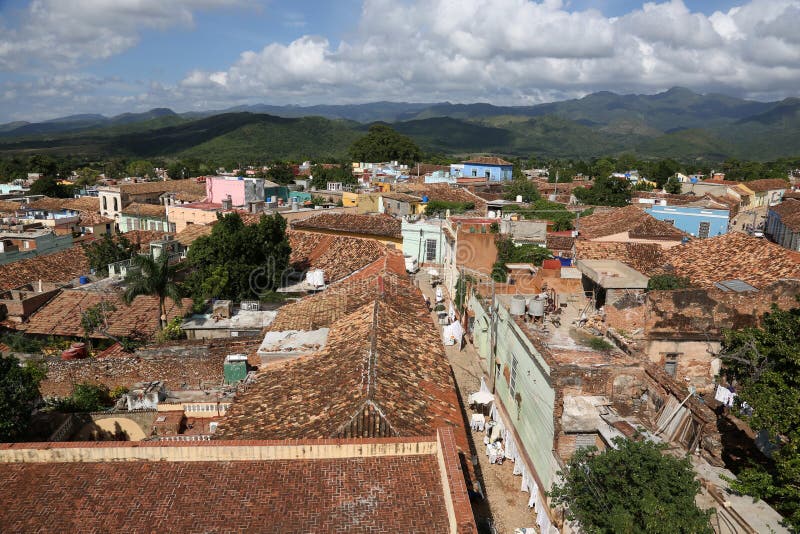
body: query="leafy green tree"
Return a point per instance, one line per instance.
(605, 192)
(95, 319)
(440, 207)
(87, 176)
(86, 397)
(664, 170)
(108, 250)
(673, 186)
(631, 488)
(281, 173)
(141, 168)
(155, 277)
(383, 143)
(602, 168)
(244, 261)
(765, 364)
(49, 186)
(521, 187)
(321, 175)
(177, 170)
(19, 389)
(668, 282)
(508, 252)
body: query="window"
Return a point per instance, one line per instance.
(116, 206)
(488, 174)
(705, 226)
(430, 250)
(105, 203)
(512, 382)
(671, 363)
(670, 221)
(27, 244)
(474, 172)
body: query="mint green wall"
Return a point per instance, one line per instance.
(533, 417)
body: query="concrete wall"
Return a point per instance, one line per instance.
(241, 191)
(414, 242)
(128, 223)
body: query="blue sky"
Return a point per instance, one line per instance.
(59, 57)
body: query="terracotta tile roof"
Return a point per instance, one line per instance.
(789, 213)
(61, 316)
(337, 256)
(488, 160)
(559, 242)
(631, 219)
(138, 209)
(732, 256)
(59, 267)
(446, 193)
(114, 351)
(402, 197)
(383, 372)
(375, 495)
(644, 257)
(426, 168)
(188, 235)
(767, 184)
(168, 186)
(180, 365)
(6, 206)
(373, 225)
(190, 196)
(90, 204)
(92, 219)
(143, 238)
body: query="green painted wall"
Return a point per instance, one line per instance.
(532, 417)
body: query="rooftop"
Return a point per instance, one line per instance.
(446, 193)
(60, 267)
(338, 486)
(6, 206)
(734, 255)
(165, 186)
(644, 257)
(789, 212)
(189, 235)
(181, 365)
(239, 320)
(372, 225)
(631, 219)
(383, 372)
(402, 197)
(90, 204)
(612, 274)
(767, 184)
(488, 160)
(92, 218)
(145, 210)
(337, 256)
(61, 316)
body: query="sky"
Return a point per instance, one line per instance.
(63, 57)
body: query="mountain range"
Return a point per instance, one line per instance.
(677, 123)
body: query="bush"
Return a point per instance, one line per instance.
(434, 207)
(86, 397)
(668, 282)
(600, 344)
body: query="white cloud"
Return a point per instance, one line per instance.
(517, 51)
(61, 34)
(501, 51)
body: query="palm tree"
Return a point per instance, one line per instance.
(156, 277)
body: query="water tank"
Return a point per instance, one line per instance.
(83, 280)
(552, 197)
(517, 305)
(536, 306)
(519, 198)
(491, 214)
(316, 278)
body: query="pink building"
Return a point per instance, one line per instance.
(240, 190)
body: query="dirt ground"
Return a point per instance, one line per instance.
(505, 507)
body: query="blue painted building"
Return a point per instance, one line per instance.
(492, 168)
(697, 221)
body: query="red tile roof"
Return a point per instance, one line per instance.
(368, 225)
(732, 256)
(138, 209)
(644, 257)
(488, 160)
(384, 494)
(59, 267)
(445, 193)
(191, 233)
(767, 184)
(92, 219)
(337, 256)
(383, 371)
(789, 213)
(168, 186)
(6, 206)
(61, 316)
(631, 219)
